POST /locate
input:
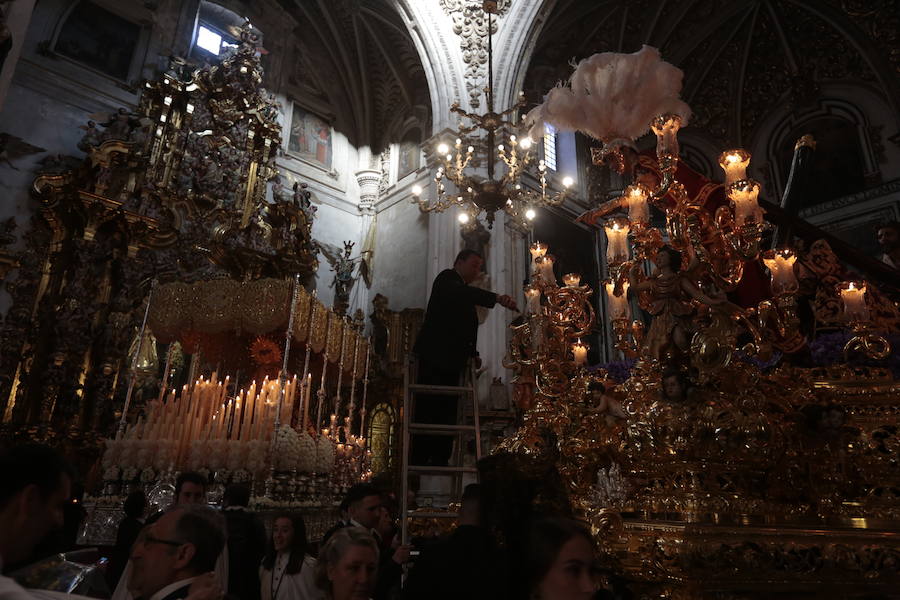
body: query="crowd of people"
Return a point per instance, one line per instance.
(191, 550)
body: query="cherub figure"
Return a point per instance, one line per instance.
(670, 294)
(90, 138)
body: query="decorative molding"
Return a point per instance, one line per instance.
(470, 23)
(878, 192)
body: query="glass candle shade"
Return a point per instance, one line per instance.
(617, 306)
(638, 209)
(666, 129)
(734, 163)
(579, 351)
(537, 249)
(546, 266)
(781, 267)
(532, 300)
(853, 295)
(617, 250)
(743, 199)
(571, 279)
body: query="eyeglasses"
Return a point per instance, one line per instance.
(149, 539)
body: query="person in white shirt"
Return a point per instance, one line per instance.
(287, 571)
(35, 485)
(176, 550)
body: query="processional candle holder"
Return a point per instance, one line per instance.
(856, 313)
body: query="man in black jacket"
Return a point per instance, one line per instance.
(246, 543)
(445, 344)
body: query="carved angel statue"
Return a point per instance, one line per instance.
(342, 265)
(669, 293)
(119, 124)
(91, 137)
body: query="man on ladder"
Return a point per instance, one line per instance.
(445, 348)
(445, 345)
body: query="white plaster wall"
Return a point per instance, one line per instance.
(401, 246)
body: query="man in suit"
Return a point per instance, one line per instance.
(445, 345)
(175, 551)
(466, 564)
(246, 543)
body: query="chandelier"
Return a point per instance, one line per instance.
(474, 192)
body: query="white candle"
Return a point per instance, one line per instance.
(617, 306)
(743, 198)
(579, 350)
(617, 250)
(638, 210)
(546, 266)
(734, 163)
(781, 266)
(537, 250)
(532, 300)
(853, 295)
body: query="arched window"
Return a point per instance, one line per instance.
(99, 39)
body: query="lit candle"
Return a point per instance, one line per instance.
(537, 250)
(579, 350)
(617, 250)
(781, 266)
(666, 129)
(571, 279)
(617, 305)
(734, 163)
(532, 300)
(638, 210)
(743, 198)
(853, 295)
(545, 264)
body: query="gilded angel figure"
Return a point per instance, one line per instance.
(668, 294)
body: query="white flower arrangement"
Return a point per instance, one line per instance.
(286, 449)
(324, 455)
(307, 458)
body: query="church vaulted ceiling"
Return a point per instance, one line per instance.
(357, 55)
(740, 58)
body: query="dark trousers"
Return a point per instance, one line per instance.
(441, 409)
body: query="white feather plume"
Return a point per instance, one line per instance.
(612, 95)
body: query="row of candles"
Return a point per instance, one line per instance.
(203, 412)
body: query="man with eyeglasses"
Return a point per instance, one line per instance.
(190, 491)
(174, 552)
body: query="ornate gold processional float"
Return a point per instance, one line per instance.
(715, 459)
(158, 300)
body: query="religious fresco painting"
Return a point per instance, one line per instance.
(99, 39)
(408, 158)
(310, 137)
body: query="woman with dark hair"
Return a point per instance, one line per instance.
(287, 571)
(560, 561)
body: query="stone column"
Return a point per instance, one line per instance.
(15, 23)
(369, 181)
